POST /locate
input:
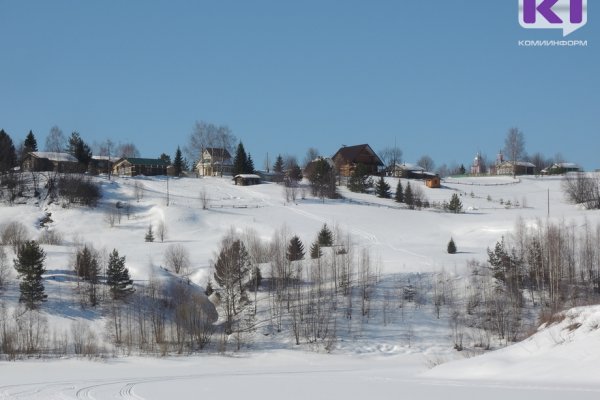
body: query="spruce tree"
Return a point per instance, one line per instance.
(149, 234)
(240, 161)
(295, 173)
(30, 267)
(382, 188)
(86, 265)
(249, 169)
(451, 247)
(30, 143)
(278, 166)
(178, 162)
(295, 250)
(315, 251)
(408, 197)
(79, 149)
(117, 276)
(325, 237)
(399, 192)
(359, 181)
(455, 204)
(8, 155)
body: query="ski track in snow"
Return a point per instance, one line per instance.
(125, 388)
(370, 237)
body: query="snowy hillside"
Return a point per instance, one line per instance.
(389, 345)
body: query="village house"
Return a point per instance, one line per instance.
(347, 158)
(516, 168)
(246, 179)
(130, 166)
(561, 168)
(408, 171)
(37, 161)
(101, 164)
(214, 161)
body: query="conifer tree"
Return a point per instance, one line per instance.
(295, 250)
(399, 197)
(278, 166)
(295, 173)
(117, 276)
(408, 197)
(79, 149)
(451, 247)
(325, 237)
(322, 179)
(315, 251)
(240, 161)
(359, 181)
(455, 204)
(86, 265)
(88, 269)
(8, 155)
(382, 188)
(249, 165)
(149, 234)
(30, 143)
(178, 162)
(30, 267)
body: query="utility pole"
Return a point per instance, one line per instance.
(548, 202)
(167, 190)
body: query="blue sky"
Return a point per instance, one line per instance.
(444, 78)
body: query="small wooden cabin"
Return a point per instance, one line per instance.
(246, 179)
(433, 182)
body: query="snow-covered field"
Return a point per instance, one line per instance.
(392, 361)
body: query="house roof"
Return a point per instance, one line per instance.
(247, 176)
(351, 153)
(410, 167)
(52, 156)
(105, 158)
(218, 152)
(518, 163)
(145, 161)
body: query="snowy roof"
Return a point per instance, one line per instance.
(565, 165)
(519, 163)
(105, 158)
(57, 157)
(247, 176)
(410, 167)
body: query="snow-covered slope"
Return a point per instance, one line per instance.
(387, 357)
(567, 350)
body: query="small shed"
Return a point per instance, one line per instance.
(433, 182)
(246, 179)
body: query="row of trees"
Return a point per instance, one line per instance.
(29, 264)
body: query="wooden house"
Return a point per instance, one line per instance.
(347, 158)
(561, 168)
(408, 171)
(101, 164)
(246, 179)
(433, 182)
(50, 161)
(140, 166)
(516, 168)
(214, 161)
